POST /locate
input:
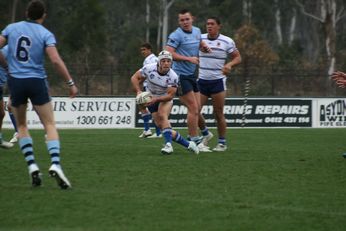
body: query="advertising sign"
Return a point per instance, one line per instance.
(260, 112)
(331, 113)
(86, 113)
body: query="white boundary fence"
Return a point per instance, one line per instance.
(114, 112)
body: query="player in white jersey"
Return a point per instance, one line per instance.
(162, 84)
(28, 42)
(213, 71)
(150, 57)
(3, 79)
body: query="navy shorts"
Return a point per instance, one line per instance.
(187, 83)
(35, 89)
(1, 93)
(210, 87)
(154, 107)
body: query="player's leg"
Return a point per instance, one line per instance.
(13, 120)
(26, 143)
(189, 101)
(188, 88)
(41, 100)
(46, 115)
(3, 144)
(146, 116)
(203, 99)
(161, 118)
(207, 135)
(218, 105)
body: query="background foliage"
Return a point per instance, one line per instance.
(100, 39)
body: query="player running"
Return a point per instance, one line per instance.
(162, 84)
(28, 41)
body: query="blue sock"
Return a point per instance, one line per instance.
(53, 147)
(222, 140)
(180, 140)
(25, 145)
(13, 120)
(167, 135)
(146, 118)
(158, 130)
(205, 131)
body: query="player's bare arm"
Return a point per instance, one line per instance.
(60, 67)
(235, 60)
(136, 81)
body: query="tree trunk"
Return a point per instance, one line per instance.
(165, 8)
(14, 10)
(159, 31)
(278, 23)
(147, 21)
(292, 27)
(247, 5)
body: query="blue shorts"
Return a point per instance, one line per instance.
(210, 87)
(34, 89)
(187, 83)
(154, 108)
(1, 93)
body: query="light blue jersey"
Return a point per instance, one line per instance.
(24, 58)
(3, 73)
(187, 44)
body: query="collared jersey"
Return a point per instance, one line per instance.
(211, 64)
(27, 41)
(3, 73)
(150, 59)
(187, 44)
(157, 83)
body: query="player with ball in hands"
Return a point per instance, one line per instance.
(162, 85)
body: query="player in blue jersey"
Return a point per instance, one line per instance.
(3, 79)
(213, 71)
(184, 44)
(149, 57)
(162, 84)
(28, 41)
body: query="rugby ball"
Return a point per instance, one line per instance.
(143, 98)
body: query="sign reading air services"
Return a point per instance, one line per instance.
(331, 113)
(86, 113)
(262, 112)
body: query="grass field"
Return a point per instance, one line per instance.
(270, 179)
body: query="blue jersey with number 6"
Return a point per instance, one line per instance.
(27, 41)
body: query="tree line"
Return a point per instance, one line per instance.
(98, 37)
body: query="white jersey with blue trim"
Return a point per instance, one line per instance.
(150, 59)
(3, 72)
(27, 41)
(211, 64)
(157, 83)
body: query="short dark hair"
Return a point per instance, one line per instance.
(35, 9)
(217, 20)
(147, 45)
(185, 11)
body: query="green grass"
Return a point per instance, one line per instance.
(270, 179)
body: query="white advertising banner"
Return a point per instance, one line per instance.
(330, 112)
(91, 112)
